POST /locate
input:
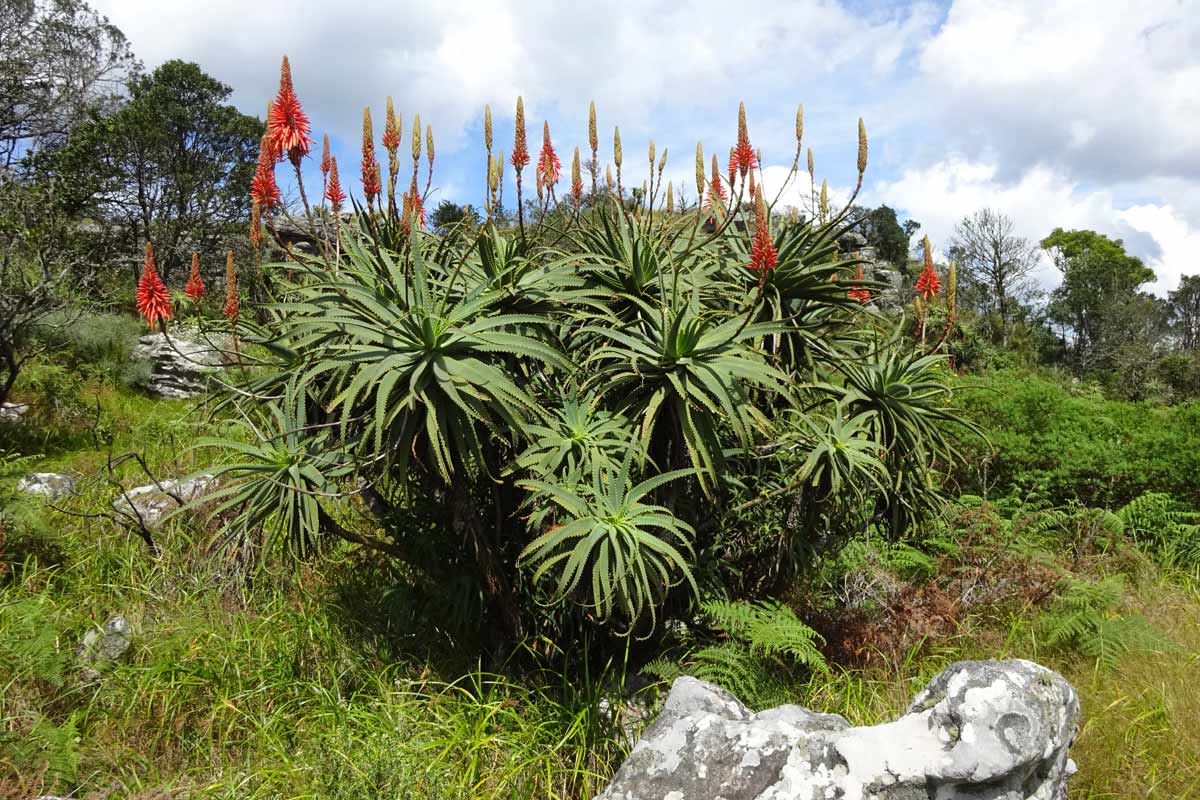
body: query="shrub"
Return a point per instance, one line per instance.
(95, 343)
(581, 394)
(1051, 444)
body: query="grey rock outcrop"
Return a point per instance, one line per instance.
(51, 485)
(107, 644)
(180, 365)
(985, 730)
(149, 505)
(12, 412)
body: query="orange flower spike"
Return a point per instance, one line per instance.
(232, 308)
(763, 256)
(195, 285)
(370, 167)
(549, 166)
(576, 179)
(263, 189)
(325, 155)
(333, 192)
(857, 292)
(520, 153)
(391, 134)
(287, 124)
(928, 285)
(746, 158)
(256, 227)
(715, 189)
(153, 300)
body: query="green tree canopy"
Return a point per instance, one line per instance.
(172, 165)
(1099, 297)
(1185, 312)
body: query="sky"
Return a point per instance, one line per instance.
(1059, 113)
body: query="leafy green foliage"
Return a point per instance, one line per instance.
(1157, 522)
(277, 482)
(626, 552)
(1086, 618)
(765, 643)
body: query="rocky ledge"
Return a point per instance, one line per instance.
(985, 730)
(181, 363)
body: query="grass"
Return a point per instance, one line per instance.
(300, 685)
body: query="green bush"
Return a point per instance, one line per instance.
(96, 344)
(1052, 443)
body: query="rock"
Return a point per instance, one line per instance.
(105, 645)
(985, 730)
(12, 412)
(51, 485)
(151, 504)
(180, 366)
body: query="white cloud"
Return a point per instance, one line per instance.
(1040, 200)
(1105, 89)
(666, 68)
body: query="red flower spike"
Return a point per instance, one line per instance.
(287, 124)
(520, 152)
(263, 189)
(549, 166)
(153, 300)
(763, 256)
(928, 285)
(195, 285)
(417, 204)
(744, 156)
(370, 167)
(857, 292)
(325, 155)
(715, 190)
(333, 192)
(391, 136)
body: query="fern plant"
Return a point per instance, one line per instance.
(761, 644)
(1086, 618)
(1156, 522)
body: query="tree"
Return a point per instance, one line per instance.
(171, 166)
(885, 234)
(58, 60)
(448, 214)
(992, 255)
(1185, 312)
(1098, 299)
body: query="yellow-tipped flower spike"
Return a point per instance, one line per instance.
(390, 133)
(593, 138)
(487, 127)
(576, 175)
(429, 144)
(617, 147)
(919, 307)
(928, 248)
(670, 198)
(416, 139)
(799, 126)
(608, 175)
(662, 162)
(651, 154)
(862, 147)
(699, 170)
(824, 199)
(952, 291)
(812, 176)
